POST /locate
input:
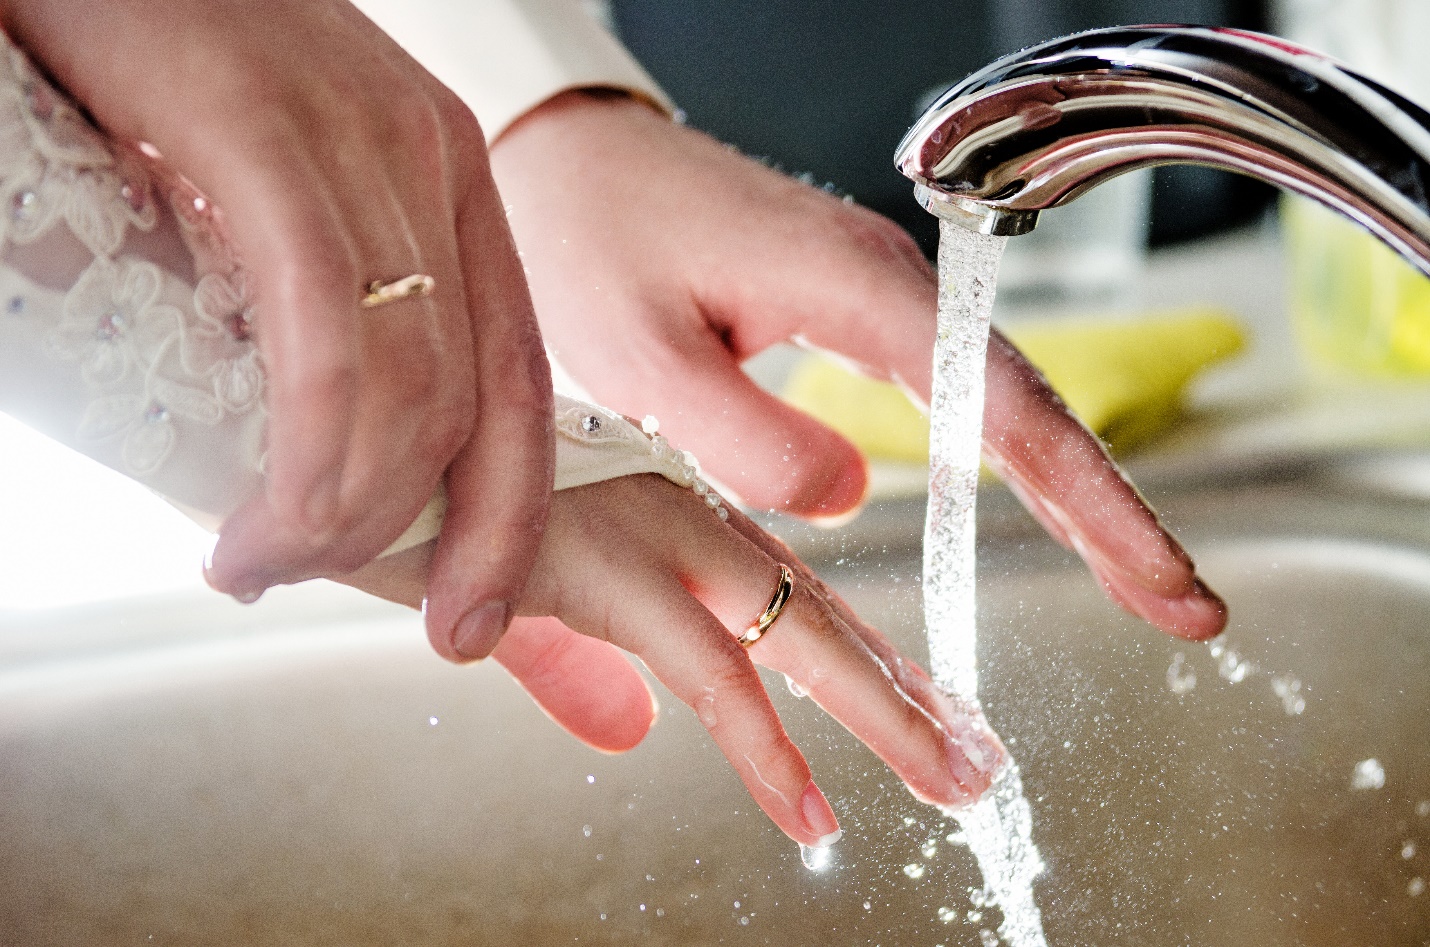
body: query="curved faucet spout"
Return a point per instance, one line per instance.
(1038, 128)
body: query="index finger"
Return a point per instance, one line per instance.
(869, 294)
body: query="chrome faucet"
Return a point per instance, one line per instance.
(1036, 129)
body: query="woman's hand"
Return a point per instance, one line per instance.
(660, 260)
(339, 161)
(645, 565)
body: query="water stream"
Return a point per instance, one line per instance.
(999, 829)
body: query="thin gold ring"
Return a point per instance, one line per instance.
(760, 625)
(380, 292)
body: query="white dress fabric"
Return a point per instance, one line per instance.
(125, 324)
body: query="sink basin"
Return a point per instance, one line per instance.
(305, 772)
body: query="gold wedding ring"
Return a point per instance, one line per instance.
(379, 293)
(757, 629)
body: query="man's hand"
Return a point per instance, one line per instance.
(338, 161)
(659, 260)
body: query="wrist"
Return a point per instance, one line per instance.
(569, 104)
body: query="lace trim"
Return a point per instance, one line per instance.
(589, 424)
(146, 362)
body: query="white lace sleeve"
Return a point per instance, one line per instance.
(125, 323)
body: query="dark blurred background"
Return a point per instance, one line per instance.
(828, 87)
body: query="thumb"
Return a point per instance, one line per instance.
(585, 685)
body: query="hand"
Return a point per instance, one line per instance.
(660, 260)
(337, 161)
(645, 565)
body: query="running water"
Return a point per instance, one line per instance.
(999, 828)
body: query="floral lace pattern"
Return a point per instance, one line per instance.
(151, 348)
(169, 380)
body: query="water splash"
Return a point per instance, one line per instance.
(999, 828)
(1180, 678)
(1367, 775)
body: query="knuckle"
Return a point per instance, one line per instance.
(730, 677)
(456, 118)
(547, 665)
(323, 382)
(876, 236)
(417, 124)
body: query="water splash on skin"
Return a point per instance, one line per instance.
(764, 782)
(705, 709)
(817, 857)
(999, 828)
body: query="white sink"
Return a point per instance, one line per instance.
(305, 772)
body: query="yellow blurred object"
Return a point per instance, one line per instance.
(1358, 308)
(1123, 377)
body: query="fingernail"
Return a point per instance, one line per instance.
(845, 499)
(478, 632)
(1201, 613)
(819, 817)
(983, 750)
(246, 597)
(974, 754)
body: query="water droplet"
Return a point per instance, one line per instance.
(794, 687)
(705, 709)
(1416, 887)
(1368, 774)
(1289, 690)
(1231, 667)
(929, 848)
(1407, 851)
(433, 721)
(816, 857)
(744, 922)
(915, 871)
(947, 915)
(586, 831)
(590, 778)
(989, 938)
(1422, 809)
(642, 907)
(868, 906)
(1180, 678)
